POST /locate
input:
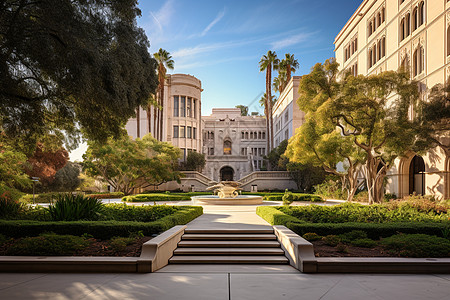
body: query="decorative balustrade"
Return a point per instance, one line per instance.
(264, 174)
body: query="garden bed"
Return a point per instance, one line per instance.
(321, 249)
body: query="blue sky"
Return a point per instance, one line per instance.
(221, 42)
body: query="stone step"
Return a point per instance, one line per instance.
(217, 259)
(229, 237)
(228, 251)
(229, 244)
(229, 231)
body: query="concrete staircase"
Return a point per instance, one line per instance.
(228, 246)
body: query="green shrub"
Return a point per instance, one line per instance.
(373, 230)
(3, 239)
(388, 197)
(119, 244)
(311, 236)
(353, 212)
(288, 198)
(353, 235)
(365, 243)
(342, 248)
(106, 195)
(424, 204)
(147, 213)
(295, 197)
(48, 244)
(156, 197)
(9, 208)
(100, 229)
(331, 189)
(417, 245)
(40, 198)
(361, 197)
(70, 207)
(331, 240)
(9, 192)
(273, 216)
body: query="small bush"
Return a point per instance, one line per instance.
(9, 192)
(9, 208)
(362, 197)
(48, 244)
(119, 244)
(123, 212)
(331, 189)
(274, 216)
(417, 245)
(70, 207)
(388, 197)
(331, 240)
(311, 236)
(353, 235)
(40, 198)
(364, 242)
(156, 197)
(342, 248)
(288, 198)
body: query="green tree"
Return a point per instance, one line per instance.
(127, 164)
(244, 110)
(267, 63)
(306, 175)
(67, 179)
(274, 157)
(290, 64)
(70, 64)
(264, 103)
(164, 60)
(279, 82)
(194, 162)
(12, 166)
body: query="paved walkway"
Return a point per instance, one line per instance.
(210, 282)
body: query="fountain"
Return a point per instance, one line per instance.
(227, 194)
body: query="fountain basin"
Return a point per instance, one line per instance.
(216, 200)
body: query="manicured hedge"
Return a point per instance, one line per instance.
(274, 216)
(297, 197)
(106, 195)
(99, 229)
(373, 230)
(163, 197)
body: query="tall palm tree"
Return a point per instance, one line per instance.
(164, 60)
(280, 82)
(148, 108)
(291, 64)
(266, 63)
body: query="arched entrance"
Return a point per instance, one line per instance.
(417, 176)
(226, 174)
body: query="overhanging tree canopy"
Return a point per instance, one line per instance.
(66, 64)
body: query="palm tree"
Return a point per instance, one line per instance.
(151, 102)
(266, 63)
(291, 64)
(280, 82)
(164, 60)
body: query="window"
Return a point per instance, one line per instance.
(211, 151)
(246, 135)
(194, 108)
(175, 131)
(370, 58)
(259, 134)
(264, 135)
(286, 117)
(407, 25)
(421, 13)
(379, 18)
(402, 29)
(189, 132)
(183, 107)
(448, 40)
(182, 131)
(383, 46)
(415, 20)
(184, 153)
(175, 106)
(418, 61)
(188, 107)
(382, 15)
(243, 151)
(227, 147)
(286, 134)
(194, 133)
(242, 135)
(370, 28)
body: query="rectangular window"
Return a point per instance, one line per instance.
(188, 106)
(183, 107)
(189, 132)
(286, 134)
(176, 106)
(286, 117)
(194, 133)
(175, 131)
(194, 102)
(211, 151)
(184, 153)
(264, 135)
(264, 151)
(182, 131)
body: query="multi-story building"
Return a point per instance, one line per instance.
(386, 35)
(181, 114)
(234, 145)
(286, 114)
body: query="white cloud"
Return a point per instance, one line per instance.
(163, 16)
(214, 22)
(289, 41)
(206, 63)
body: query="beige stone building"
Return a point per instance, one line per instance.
(182, 114)
(386, 34)
(286, 114)
(234, 145)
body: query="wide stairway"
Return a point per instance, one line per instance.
(228, 246)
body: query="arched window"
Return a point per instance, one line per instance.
(415, 62)
(374, 54)
(407, 25)
(448, 40)
(370, 28)
(402, 29)
(418, 61)
(415, 15)
(227, 147)
(421, 13)
(382, 15)
(383, 47)
(379, 18)
(421, 60)
(370, 58)
(379, 49)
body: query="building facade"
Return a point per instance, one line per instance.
(181, 115)
(234, 145)
(415, 34)
(286, 114)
